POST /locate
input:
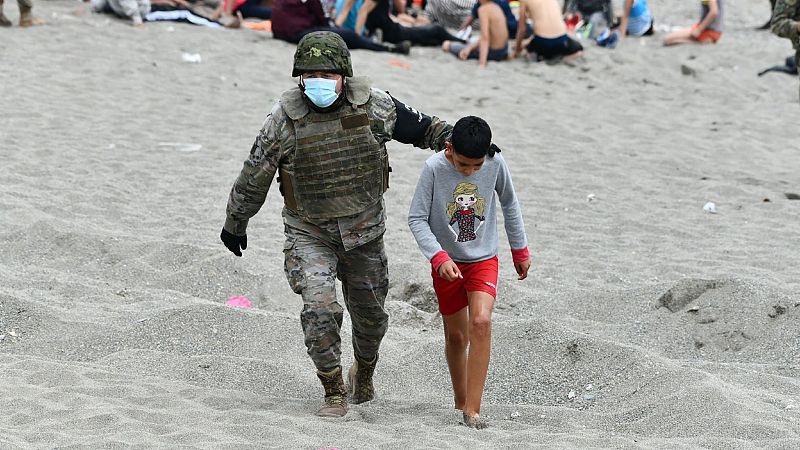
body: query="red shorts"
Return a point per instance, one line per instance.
(478, 276)
(707, 35)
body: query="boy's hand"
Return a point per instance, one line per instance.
(449, 271)
(522, 268)
(464, 53)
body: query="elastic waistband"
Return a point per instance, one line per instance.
(550, 42)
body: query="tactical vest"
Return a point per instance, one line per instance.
(338, 168)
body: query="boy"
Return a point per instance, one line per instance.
(454, 222)
(550, 41)
(708, 30)
(493, 42)
(511, 19)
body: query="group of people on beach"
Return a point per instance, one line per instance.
(483, 30)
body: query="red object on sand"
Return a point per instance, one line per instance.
(265, 25)
(397, 63)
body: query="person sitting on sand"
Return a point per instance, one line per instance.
(550, 41)
(511, 19)
(134, 10)
(453, 219)
(708, 30)
(245, 9)
(448, 13)
(26, 18)
(493, 42)
(636, 20)
(376, 15)
(293, 19)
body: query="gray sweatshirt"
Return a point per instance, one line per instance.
(455, 213)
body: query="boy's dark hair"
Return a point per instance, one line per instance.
(472, 138)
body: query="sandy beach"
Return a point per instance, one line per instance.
(647, 322)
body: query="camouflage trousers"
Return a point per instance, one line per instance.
(23, 5)
(312, 265)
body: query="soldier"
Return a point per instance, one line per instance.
(786, 22)
(326, 141)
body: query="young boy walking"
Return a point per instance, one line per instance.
(454, 221)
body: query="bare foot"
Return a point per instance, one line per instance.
(475, 422)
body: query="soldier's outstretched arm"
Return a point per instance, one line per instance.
(418, 129)
(783, 23)
(250, 189)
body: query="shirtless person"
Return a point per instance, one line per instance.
(493, 42)
(550, 40)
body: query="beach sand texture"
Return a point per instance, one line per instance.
(646, 322)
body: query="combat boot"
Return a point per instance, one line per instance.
(335, 394)
(26, 18)
(359, 381)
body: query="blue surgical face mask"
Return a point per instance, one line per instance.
(321, 91)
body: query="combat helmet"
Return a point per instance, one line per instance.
(322, 51)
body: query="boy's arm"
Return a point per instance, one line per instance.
(418, 217)
(512, 214)
(522, 24)
(713, 11)
(483, 42)
(783, 23)
(623, 19)
(363, 13)
(250, 189)
(341, 16)
(467, 22)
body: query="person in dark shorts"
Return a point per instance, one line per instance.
(547, 49)
(550, 41)
(375, 14)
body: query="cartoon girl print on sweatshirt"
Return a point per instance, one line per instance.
(465, 209)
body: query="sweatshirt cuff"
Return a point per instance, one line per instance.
(236, 227)
(520, 255)
(439, 259)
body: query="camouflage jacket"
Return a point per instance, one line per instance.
(275, 144)
(784, 20)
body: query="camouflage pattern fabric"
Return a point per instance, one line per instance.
(313, 262)
(784, 22)
(318, 251)
(24, 5)
(322, 51)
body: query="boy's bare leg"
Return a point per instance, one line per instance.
(456, 339)
(480, 345)
(683, 36)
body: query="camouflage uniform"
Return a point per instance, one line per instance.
(25, 7)
(784, 22)
(320, 249)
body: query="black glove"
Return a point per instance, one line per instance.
(233, 242)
